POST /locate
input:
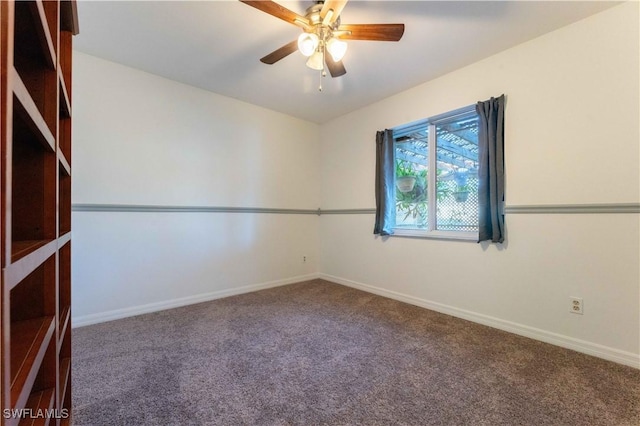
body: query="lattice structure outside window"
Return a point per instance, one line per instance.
(437, 176)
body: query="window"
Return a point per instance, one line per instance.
(436, 176)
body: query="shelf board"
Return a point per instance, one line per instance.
(30, 113)
(64, 323)
(26, 257)
(65, 102)
(65, 367)
(29, 341)
(64, 163)
(19, 249)
(64, 239)
(42, 29)
(39, 401)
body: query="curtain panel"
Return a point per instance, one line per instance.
(491, 169)
(384, 183)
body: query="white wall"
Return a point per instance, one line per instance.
(141, 139)
(572, 137)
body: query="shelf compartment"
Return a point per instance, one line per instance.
(29, 342)
(35, 56)
(26, 107)
(69, 17)
(64, 132)
(27, 257)
(65, 59)
(64, 164)
(47, 376)
(64, 351)
(64, 201)
(64, 286)
(51, 11)
(65, 316)
(64, 143)
(35, 295)
(65, 368)
(39, 401)
(20, 249)
(33, 30)
(33, 187)
(65, 102)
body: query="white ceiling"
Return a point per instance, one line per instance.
(216, 45)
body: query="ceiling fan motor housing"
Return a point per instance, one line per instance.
(313, 15)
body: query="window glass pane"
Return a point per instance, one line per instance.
(412, 159)
(457, 174)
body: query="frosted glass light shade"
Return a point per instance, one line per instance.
(307, 43)
(315, 61)
(337, 48)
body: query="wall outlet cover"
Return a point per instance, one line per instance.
(576, 305)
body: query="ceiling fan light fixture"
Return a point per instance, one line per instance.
(324, 33)
(316, 61)
(337, 48)
(308, 43)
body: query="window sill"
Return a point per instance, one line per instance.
(436, 235)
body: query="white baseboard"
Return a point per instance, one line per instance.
(84, 320)
(600, 351)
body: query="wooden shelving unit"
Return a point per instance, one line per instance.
(35, 207)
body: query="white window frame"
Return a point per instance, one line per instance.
(430, 231)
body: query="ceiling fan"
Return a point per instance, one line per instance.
(323, 37)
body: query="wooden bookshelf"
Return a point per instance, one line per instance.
(39, 401)
(35, 209)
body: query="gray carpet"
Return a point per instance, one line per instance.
(318, 353)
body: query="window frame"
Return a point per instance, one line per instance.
(431, 123)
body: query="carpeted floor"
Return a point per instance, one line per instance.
(318, 353)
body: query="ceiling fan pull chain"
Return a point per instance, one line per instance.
(323, 73)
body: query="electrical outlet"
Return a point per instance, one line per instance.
(304, 259)
(576, 305)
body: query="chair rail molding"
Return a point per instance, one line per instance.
(611, 208)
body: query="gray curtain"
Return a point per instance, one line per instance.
(385, 186)
(491, 169)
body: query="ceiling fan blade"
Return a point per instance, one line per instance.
(336, 6)
(336, 69)
(274, 9)
(278, 54)
(375, 32)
